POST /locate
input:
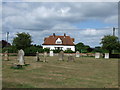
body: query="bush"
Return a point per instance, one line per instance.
(10, 49)
(46, 50)
(32, 50)
(68, 51)
(56, 51)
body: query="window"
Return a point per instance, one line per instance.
(58, 42)
(68, 48)
(58, 48)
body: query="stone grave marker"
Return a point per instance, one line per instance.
(45, 57)
(106, 55)
(97, 55)
(61, 55)
(77, 54)
(21, 57)
(51, 53)
(6, 57)
(37, 57)
(70, 58)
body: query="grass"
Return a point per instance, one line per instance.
(85, 72)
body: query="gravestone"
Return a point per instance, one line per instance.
(6, 57)
(37, 57)
(21, 57)
(77, 54)
(1, 54)
(51, 53)
(97, 55)
(45, 57)
(106, 55)
(61, 55)
(70, 58)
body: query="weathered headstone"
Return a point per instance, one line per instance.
(37, 57)
(77, 54)
(106, 55)
(1, 54)
(71, 58)
(61, 55)
(97, 55)
(21, 57)
(6, 57)
(45, 57)
(51, 53)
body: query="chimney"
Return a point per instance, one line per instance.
(53, 34)
(64, 35)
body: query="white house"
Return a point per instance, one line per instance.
(54, 42)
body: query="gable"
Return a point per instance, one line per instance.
(58, 41)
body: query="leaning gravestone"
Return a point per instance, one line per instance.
(51, 53)
(21, 57)
(61, 55)
(106, 55)
(6, 57)
(45, 57)
(77, 54)
(37, 57)
(97, 55)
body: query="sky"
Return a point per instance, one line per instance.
(87, 22)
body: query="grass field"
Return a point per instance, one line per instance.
(85, 72)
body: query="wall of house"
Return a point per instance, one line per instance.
(52, 47)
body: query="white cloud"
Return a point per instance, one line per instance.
(43, 19)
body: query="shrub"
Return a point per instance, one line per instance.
(32, 50)
(46, 50)
(10, 49)
(68, 51)
(56, 51)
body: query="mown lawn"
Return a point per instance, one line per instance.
(85, 72)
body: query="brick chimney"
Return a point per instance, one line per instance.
(64, 35)
(53, 34)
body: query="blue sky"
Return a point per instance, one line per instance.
(87, 22)
(94, 24)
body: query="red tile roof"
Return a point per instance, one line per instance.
(66, 40)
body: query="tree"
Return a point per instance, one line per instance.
(81, 47)
(22, 41)
(110, 43)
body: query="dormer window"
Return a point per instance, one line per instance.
(58, 41)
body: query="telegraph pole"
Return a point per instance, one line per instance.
(113, 31)
(7, 38)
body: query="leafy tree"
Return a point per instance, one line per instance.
(39, 46)
(81, 47)
(110, 43)
(22, 41)
(32, 50)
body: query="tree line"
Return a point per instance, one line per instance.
(23, 41)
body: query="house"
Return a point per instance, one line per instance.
(4, 43)
(55, 42)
